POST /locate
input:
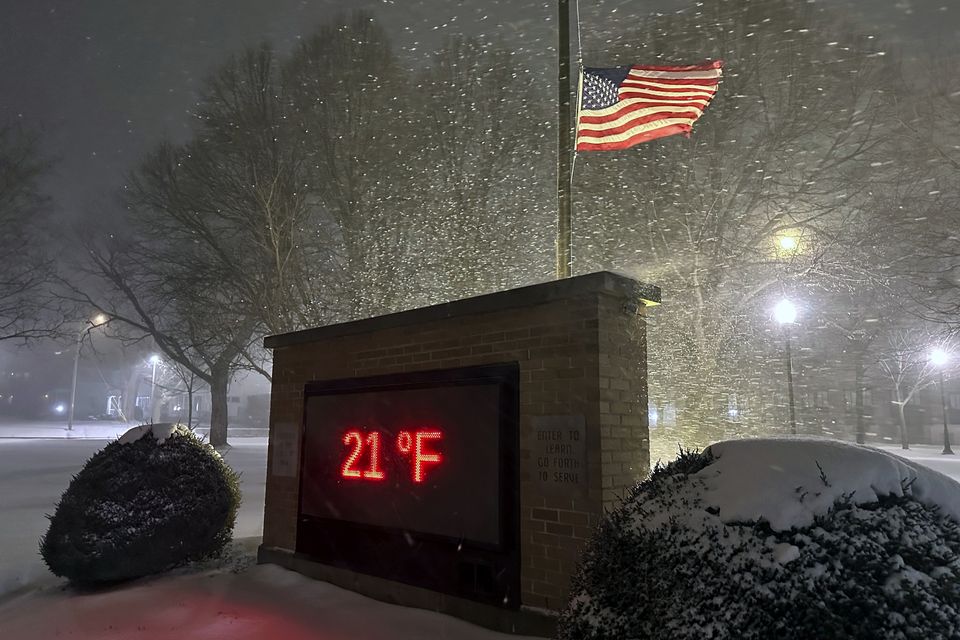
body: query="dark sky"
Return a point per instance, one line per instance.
(106, 79)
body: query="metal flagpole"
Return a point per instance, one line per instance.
(564, 155)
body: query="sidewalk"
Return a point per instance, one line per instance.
(98, 430)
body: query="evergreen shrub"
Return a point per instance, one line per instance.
(141, 508)
(887, 569)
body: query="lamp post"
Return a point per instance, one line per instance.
(96, 321)
(939, 359)
(154, 360)
(785, 313)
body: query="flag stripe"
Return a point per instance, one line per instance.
(622, 107)
(700, 75)
(629, 102)
(640, 115)
(668, 83)
(656, 102)
(630, 124)
(644, 127)
(630, 92)
(665, 86)
(638, 106)
(713, 64)
(643, 136)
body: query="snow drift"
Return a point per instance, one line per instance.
(785, 538)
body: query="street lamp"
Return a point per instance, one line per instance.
(95, 321)
(939, 359)
(787, 244)
(785, 313)
(154, 360)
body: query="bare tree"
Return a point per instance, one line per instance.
(25, 267)
(783, 151)
(483, 201)
(342, 90)
(187, 318)
(929, 207)
(213, 255)
(905, 360)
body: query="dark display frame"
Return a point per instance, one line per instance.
(471, 569)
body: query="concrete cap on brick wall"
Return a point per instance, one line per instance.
(601, 282)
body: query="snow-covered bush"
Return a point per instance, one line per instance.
(787, 539)
(156, 498)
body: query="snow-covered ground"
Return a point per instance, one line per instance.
(95, 429)
(259, 602)
(35, 472)
(262, 603)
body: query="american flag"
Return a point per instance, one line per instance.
(624, 106)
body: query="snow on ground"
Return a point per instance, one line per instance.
(35, 472)
(264, 602)
(929, 456)
(260, 602)
(96, 429)
(790, 481)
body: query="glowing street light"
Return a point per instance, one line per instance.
(787, 243)
(939, 358)
(785, 313)
(92, 323)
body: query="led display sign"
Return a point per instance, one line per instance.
(412, 457)
(413, 477)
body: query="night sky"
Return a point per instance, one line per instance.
(104, 80)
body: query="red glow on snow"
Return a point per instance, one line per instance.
(185, 609)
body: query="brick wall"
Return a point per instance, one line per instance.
(581, 353)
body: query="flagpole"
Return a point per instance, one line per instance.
(564, 151)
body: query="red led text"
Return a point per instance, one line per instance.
(417, 440)
(355, 440)
(363, 457)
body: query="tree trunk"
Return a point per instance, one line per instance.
(130, 390)
(219, 380)
(156, 402)
(904, 443)
(861, 427)
(190, 405)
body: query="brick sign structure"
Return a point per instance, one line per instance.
(458, 457)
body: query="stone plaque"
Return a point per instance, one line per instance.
(559, 453)
(285, 440)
